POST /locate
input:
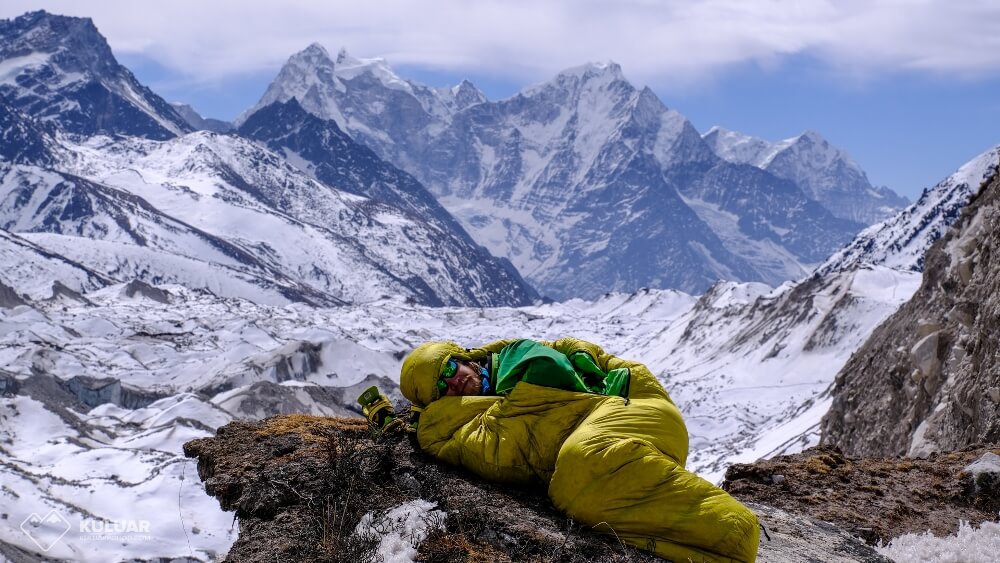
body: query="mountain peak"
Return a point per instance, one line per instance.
(586, 75)
(315, 49)
(736, 147)
(315, 55)
(350, 66)
(594, 69)
(76, 40)
(814, 143)
(37, 17)
(719, 132)
(61, 69)
(466, 94)
(813, 136)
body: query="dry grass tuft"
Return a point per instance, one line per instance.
(310, 428)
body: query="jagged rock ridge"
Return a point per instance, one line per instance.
(902, 241)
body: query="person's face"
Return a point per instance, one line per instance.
(465, 382)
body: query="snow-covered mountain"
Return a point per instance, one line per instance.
(124, 237)
(222, 213)
(585, 183)
(826, 173)
(320, 148)
(61, 69)
(901, 241)
(31, 270)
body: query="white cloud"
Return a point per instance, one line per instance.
(526, 40)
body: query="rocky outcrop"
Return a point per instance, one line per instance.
(9, 297)
(877, 499)
(794, 537)
(9, 385)
(61, 291)
(299, 485)
(92, 391)
(143, 289)
(927, 379)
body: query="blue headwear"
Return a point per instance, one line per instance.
(487, 387)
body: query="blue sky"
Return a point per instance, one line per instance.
(909, 88)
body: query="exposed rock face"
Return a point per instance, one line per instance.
(60, 291)
(93, 392)
(927, 379)
(299, 485)
(792, 537)
(22, 139)
(8, 384)
(9, 298)
(143, 289)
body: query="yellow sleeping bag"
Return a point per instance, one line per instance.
(616, 464)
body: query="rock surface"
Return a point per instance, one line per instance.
(927, 379)
(875, 498)
(300, 484)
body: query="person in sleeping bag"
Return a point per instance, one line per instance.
(600, 431)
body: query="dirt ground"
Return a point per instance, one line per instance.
(876, 499)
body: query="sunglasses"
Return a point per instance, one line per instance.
(447, 372)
